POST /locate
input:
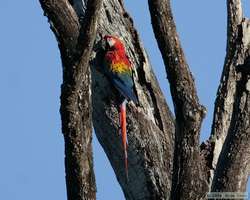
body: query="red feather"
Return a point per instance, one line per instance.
(123, 125)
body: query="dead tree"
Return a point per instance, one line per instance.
(166, 160)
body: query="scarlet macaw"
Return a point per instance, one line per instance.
(118, 68)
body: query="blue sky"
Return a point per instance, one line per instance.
(31, 145)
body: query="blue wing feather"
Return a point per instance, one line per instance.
(125, 86)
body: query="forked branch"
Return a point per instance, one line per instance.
(230, 131)
(227, 105)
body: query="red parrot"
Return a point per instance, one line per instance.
(119, 69)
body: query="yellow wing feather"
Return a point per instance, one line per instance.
(120, 67)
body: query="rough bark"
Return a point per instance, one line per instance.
(233, 167)
(227, 102)
(150, 125)
(225, 96)
(188, 181)
(76, 43)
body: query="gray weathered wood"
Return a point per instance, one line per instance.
(226, 91)
(150, 125)
(233, 167)
(226, 95)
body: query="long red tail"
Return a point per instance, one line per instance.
(123, 125)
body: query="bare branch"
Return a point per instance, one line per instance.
(64, 23)
(76, 109)
(235, 152)
(237, 48)
(233, 167)
(188, 173)
(224, 105)
(234, 18)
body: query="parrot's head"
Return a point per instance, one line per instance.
(113, 43)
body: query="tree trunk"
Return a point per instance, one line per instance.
(165, 158)
(150, 125)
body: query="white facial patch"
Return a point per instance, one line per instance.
(111, 42)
